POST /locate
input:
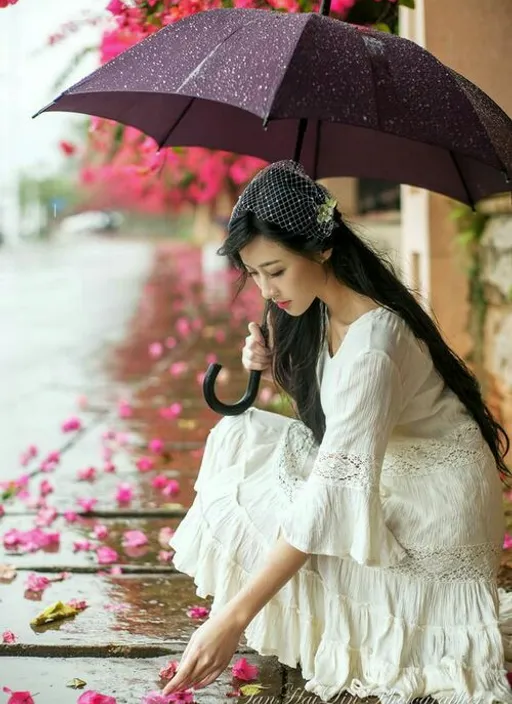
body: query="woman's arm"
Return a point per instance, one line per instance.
(283, 562)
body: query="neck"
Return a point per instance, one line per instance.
(344, 305)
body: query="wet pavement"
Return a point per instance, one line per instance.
(116, 333)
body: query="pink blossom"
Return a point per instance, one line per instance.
(211, 358)
(109, 435)
(46, 516)
(93, 697)
(507, 543)
(156, 697)
(197, 612)
(116, 570)
(116, 7)
(178, 368)
(82, 544)
(159, 481)
(18, 697)
(172, 488)
(145, 464)
(156, 445)
(165, 555)
(109, 467)
(87, 474)
(107, 453)
(30, 540)
(100, 531)
(37, 583)
(70, 516)
(220, 336)
(164, 535)
(124, 409)
(124, 493)
(201, 375)
(106, 555)
(134, 539)
(183, 327)
(45, 487)
(156, 350)
(78, 604)
(87, 504)
(2, 510)
(172, 411)
(171, 343)
(242, 670)
(168, 671)
(71, 424)
(8, 637)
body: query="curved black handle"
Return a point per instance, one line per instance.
(250, 393)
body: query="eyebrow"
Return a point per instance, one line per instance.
(276, 261)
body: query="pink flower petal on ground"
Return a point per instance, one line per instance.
(178, 368)
(165, 555)
(93, 697)
(156, 445)
(106, 555)
(198, 612)
(83, 544)
(18, 697)
(124, 493)
(164, 535)
(220, 336)
(8, 637)
(100, 531)
(79, 604)
(37, 583)
(172, 488)
(117, 607)
(145, 464)
(88, 474)
(243, 670)
(156, 350)
(109, 467)
(169, 670)
(172, 411)
(171, 343)
(134, 539)
(116, 570)
(71, 424)
(124, 409)
(183, 327)
(2, 510)
(46, 516)
(159, 481)
(70, 516)
(156, 697)
(45, 487)
(87, 504)
(507, 543)
(211, 358)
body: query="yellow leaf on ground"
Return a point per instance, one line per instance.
(248, 690)
(76, 683)
(54, 612)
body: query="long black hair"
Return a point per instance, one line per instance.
(298, 340)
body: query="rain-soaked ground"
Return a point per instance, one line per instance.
(111, 336)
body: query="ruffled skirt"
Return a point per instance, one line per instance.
(352, 629)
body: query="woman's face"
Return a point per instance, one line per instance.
(284, 275)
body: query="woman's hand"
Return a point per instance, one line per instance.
(207, 654)
(256, 356)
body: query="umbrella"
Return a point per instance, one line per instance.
(346, 101)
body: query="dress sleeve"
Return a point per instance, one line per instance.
(338, 511)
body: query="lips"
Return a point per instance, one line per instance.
(283, 304)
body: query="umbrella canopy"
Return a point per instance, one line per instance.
(377, 105)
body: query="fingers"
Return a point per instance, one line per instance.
(255, 354)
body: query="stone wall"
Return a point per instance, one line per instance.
(497, 343)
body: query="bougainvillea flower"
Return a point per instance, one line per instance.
(87, 504)
(507, 543)
(124, 493)
(100, 531)
(134, 539)
(8, 637)
(93, 697)
(88, 474)
(145, 464)
(164, 535)
(171, 488)
(169, 670)
(124, 409)
(159, 481)
(243, 670)
(106, 555)
(18, 697)
(37, 583)
(156, 445)
(71, 424)
(197, 612)
(82, 544)
(172, 411)
(156, 350)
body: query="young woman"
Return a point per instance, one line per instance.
(361, 540)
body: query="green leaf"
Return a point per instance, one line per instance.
(407, 3)
(382, 27)
(248, 690)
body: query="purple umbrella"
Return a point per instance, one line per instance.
(346, 101)
(376, 105)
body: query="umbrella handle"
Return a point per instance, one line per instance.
(251, 391)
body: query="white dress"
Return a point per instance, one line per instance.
(400, 509)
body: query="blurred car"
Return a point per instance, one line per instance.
(91, 221)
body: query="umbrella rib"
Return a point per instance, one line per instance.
(176, 122)
(471, 202)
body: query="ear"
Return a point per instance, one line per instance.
(326, 255)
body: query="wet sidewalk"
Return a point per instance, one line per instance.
(111, 337)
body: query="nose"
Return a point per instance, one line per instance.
(265, 291)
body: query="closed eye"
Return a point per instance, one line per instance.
(272, 276)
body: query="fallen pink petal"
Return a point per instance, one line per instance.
(145, 464)
(19, 697)
(169, 670)
(37, 583)
(93, 697)
(8, 637)
(82, 544)
(243, 670)
(124, 493)
(106, 555)
(100, 531)
(198, 612)
(87, 504)
(134, 539)
(171, 488)
(71, 424)
(79, 604)
(156, 445)
(87, 474)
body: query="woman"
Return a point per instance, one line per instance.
(363, 539)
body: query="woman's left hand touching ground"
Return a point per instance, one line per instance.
(207, 654)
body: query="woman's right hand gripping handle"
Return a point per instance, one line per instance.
(256, 356)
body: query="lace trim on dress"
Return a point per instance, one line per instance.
(464, 445)
(355, 471)
(293, 450)
(452, 563)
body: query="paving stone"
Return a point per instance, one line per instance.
(156, 612)
(126, 679)
(82, 529)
